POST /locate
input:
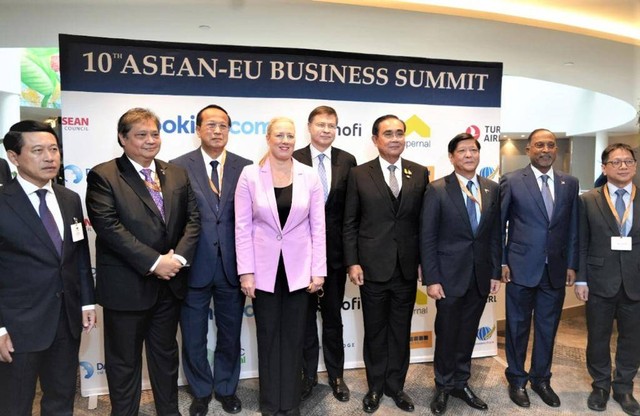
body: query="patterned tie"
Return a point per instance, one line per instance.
(322, 172)
(621, 208)
(393, 182)
(471, 209)
(48, 221)
(216, 182)
(154, 190)
(546, 195)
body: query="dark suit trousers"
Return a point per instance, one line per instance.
(228, 307)
(57, 368)
(387, 309)
(332, 341)
(545, 302)
(601, 312)
(124, 334)
(456, 326)
(280, 327)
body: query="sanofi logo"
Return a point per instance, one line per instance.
(88, 368)
(73, 173)
(187, 125)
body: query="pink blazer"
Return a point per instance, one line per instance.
(259, 237)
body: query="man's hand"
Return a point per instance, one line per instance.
(435, 291)
(6, 348)
(89, 320)
(506, 274)
(582, 292)
(168, 266)
(571, 277)
(248, 285)
(356, 275)
(495, 286)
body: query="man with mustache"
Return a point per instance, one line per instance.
(539, 205)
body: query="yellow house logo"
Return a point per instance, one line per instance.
(416, 125)
(421, 297)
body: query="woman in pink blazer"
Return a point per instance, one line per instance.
(280, 250)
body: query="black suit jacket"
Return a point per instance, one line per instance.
(5, 172)
(451, 254)
(375, 236)
(131, 234)
(341, 164)
(603, 269)
(32, 275)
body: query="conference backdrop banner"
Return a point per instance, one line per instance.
(437, 99)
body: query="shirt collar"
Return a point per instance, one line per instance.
(385, 165)
(138, 167)
(315, 152)
(464, 180)
(208, 159)
(613, 188)
(29, 187)
(539, 174)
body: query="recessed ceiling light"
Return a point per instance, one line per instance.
(569, 63)
(204, 27)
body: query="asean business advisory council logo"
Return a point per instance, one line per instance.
(75, 123)
(418, 132)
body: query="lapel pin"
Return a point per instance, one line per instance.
(486, 191)
(562, 182)
(407, 173)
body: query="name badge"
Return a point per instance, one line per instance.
(621, 243)
(76, 231)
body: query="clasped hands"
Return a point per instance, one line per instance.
(168, 266)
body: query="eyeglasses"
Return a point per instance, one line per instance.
(618, 163)
(323, 126)
(542, 145)
(391, 134)
(213, 126)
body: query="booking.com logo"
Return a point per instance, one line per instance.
(187, 125)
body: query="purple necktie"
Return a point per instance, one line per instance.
(48, 221)
(154, 190)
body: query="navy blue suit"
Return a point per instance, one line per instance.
(214, 274)
(538, 250)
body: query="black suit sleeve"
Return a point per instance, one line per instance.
(429, 234)
(351, 226)
(186, 246)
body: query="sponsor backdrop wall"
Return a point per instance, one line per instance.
(102, 78)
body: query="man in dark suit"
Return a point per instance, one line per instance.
(461, 252)
(5, 172)
(46, 286)
(608, 279)
(146, 219)
(213, 273)
(333, 171)
(540, 206)
(381, 224)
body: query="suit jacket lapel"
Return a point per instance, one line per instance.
(21, 205)
(455, 194)
(530, 181)
(636, 215)
(196, 165)
(133, 179)
(378, 179)
(267, 185)
(167, 186)
(297, 193)
(487, 198)
(607, 215)
(229, 180)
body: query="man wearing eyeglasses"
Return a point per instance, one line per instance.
(608, 279)
(539, 205)
(381, 227)
(333, 166)
(213, 172)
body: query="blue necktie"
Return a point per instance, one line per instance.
(621, 208)
(216, 181)
(322, 172)
(546, 195)
(471, 209)
(48, 221)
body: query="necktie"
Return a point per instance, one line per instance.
(322, 172)
(216, 181)
(621, 208)
(393, 182)
(546, 195)
(48, 221)
(471, 209)
(154, 190)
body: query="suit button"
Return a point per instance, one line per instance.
(59, 294)
(218, 222)
(215, 244)
(278, 237)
